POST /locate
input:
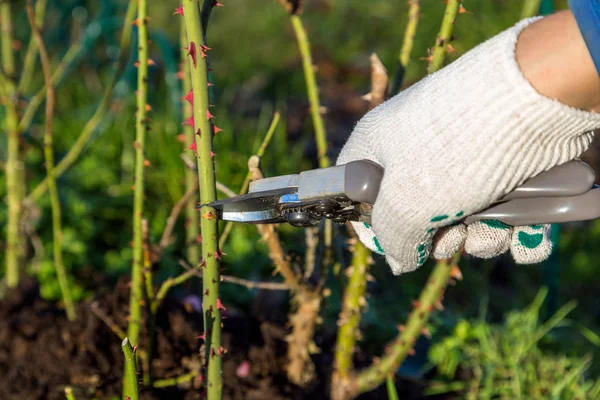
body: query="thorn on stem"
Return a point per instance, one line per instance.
(179, 10)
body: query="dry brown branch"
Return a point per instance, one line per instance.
(379, 82)
(239, 281)
(98, 312)
(165, 239)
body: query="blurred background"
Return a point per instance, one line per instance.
(257, 70)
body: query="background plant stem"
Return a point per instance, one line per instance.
(91, 125)
(350, 315)
(376, 374)
(312, 90)
(13, 163)
(49, 159)
(443, 38)
(208, 193)
(260, 153)
(32, 49)
(530, 8)
(407, 44)
(135, 312)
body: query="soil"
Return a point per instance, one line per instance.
(41, 352)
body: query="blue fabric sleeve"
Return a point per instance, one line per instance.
(587, 15)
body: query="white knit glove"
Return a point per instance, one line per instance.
(454, 143)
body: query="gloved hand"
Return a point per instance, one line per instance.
(453, 144)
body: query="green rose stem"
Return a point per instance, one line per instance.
(14, 165)
(192, 222)
(91, 125)
(141, 127)
(349, 319)
(130, 377)
(204, 132)
(49, 159)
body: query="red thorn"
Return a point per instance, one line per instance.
(180, 75)
(190, 122)
(205, 48)
(416, 303)
(199, 132)
(212, 352)
(426, 332)
(189, 97)
(210, 84)
(456, 274)
(202, 53)
(209, 115)
(134, 348)
(136, 22)
(199, 238)
(192, 52)
(206, 292)
(411, 352)
(212, 154)
(179, 10)
(203, 264)
(181, 138)
(222, 350)
(217, 4)
(192, 146)
(216, 129)
(151, 62)
(220, 305)
(202, 337)
(401, 328)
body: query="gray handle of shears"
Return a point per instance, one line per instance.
(565, 193)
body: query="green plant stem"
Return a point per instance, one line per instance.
(32, 49)
(59, 73)
(443, 38)
(207, 184)
(407, 43)
(192, 223)
(130, 379)
(376, 374)
(350, 315)
(163, 383)
(69, 393)
(260, 153)
(141, 126)
(14, 165)
(168, 284)
(530, 8)
(49, 159)
(312, 90)
(91, 125)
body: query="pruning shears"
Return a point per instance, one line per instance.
(342, 193)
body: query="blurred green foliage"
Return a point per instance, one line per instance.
(257, 70)
(512, 360)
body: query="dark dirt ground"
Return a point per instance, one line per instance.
(41, 352)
